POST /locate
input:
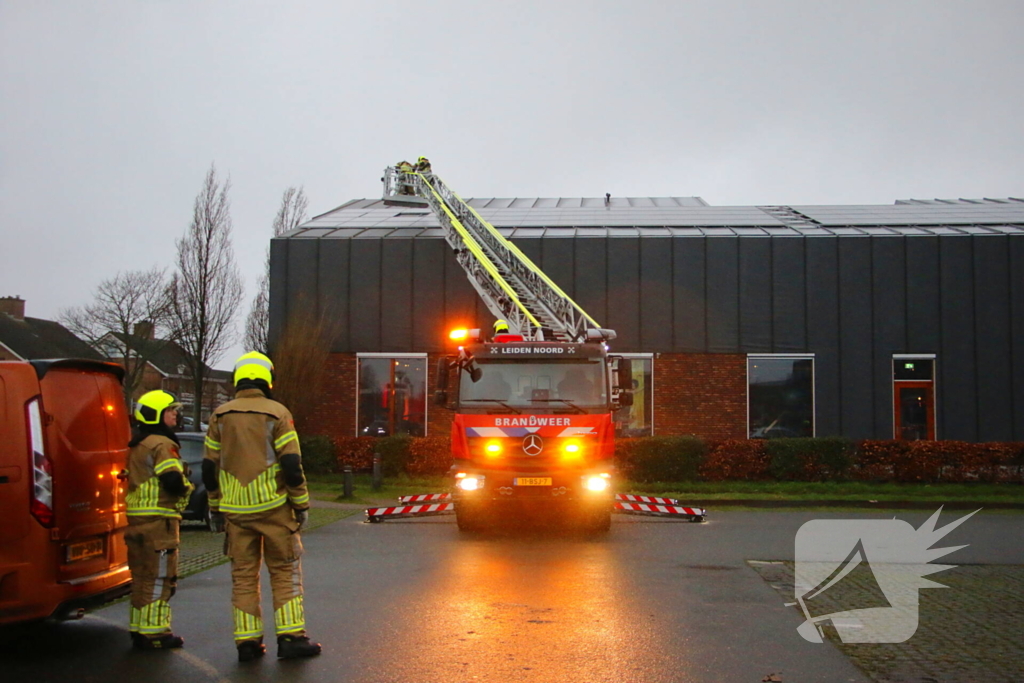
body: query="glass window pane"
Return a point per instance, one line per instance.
(392, 396)
(781, 397)
(374, 377)
(537, 386)
(636, 420)
(410, 396)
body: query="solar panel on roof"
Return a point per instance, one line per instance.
(316, 232)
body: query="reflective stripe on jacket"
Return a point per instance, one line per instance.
(150, 458)
(246, 440)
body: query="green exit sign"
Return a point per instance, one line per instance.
(908, 366)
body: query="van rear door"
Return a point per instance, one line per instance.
(17, 383)
(87, 441)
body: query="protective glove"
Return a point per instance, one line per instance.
(301, 516)
(185, 497)
(216, 522)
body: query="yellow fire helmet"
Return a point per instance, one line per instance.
(500, 326)
(150, 407)
(254, 365)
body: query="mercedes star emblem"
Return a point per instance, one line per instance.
(533, 444)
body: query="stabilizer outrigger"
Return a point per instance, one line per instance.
(434, 504)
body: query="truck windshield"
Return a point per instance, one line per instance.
(548, 386)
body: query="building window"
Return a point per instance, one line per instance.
(392, 395)
(913, 397)
(780, 396)
(637, 420)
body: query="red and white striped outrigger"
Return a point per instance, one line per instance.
(657, 507)
(374, 515)
(439, 504)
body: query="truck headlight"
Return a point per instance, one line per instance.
(596, 483)
(469, 483)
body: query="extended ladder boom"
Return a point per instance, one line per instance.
(510, 284)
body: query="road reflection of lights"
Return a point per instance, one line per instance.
(545, 607)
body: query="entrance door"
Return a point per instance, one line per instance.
(914, 411)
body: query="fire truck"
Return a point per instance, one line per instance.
(533, 429)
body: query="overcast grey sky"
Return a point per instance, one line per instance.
(111, 112)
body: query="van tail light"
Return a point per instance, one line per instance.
(41, 505)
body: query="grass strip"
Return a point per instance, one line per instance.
(330, 487)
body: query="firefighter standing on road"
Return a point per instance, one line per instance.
(253, 472)
(158, 489)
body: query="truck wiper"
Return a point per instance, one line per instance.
(560, 400)
(495, 400)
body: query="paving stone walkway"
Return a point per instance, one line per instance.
(201, 549)
(971, 631)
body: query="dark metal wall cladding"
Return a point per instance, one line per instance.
(852, 301)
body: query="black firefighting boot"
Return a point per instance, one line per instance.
(249, 650)
(290, 647)
(164, 641)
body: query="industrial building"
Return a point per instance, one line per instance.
(874, 321)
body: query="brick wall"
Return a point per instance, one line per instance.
(439, 418)
(335, 414)
(700, 394)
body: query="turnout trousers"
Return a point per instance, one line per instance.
(273, 536)
(153, 562)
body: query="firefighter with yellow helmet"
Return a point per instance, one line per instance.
(423, 165)
(253, 472)
(158, 489)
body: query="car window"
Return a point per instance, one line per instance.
(192, 451)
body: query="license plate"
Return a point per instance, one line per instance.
(532, 481)
(84, 550)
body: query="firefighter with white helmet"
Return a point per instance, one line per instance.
(253, 472)
(158, 489)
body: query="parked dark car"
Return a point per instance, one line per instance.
(192, 453)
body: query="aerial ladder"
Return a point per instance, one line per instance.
(512, 287)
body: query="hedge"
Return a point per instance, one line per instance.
(652, 459)
(319, 455)
(660, 458)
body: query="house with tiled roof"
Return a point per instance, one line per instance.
(24, 338)
(167, 368)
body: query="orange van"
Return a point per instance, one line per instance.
(64, 446)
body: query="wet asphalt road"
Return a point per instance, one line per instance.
(416, 601)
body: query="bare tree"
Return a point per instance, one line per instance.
(290, 215)
(300, 354)
(123, 321)
(207, 287)
(257, 324)
(292, 211)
